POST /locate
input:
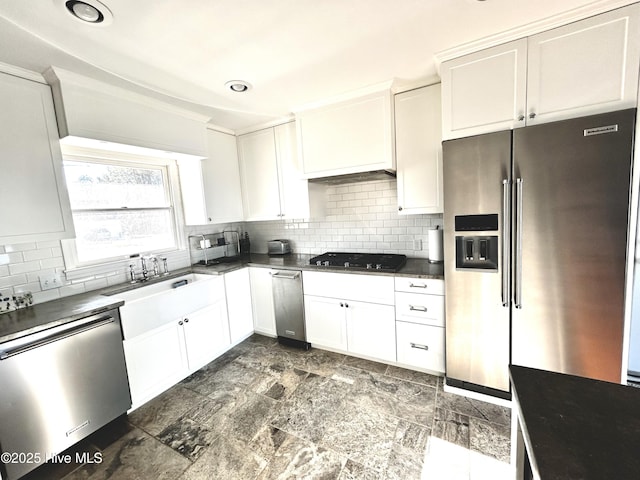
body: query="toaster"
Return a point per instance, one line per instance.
(278, 247)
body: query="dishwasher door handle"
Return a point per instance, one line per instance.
(288, 276)
(54, 337)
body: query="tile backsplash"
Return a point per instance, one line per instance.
(359, 217)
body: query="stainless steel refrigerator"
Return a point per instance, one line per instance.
(535, 242)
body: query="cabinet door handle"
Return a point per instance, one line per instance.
(521, 118)
(421, 347)
(346, 305)
(415, 308)
(417, 285)
(180, 322)
(399, 209)
(532, 115)
(341, 304)
(186, 320)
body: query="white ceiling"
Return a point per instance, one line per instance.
(293, 52)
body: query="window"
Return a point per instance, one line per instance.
(119, 208)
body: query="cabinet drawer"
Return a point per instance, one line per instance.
(349, 286)
(424, 309)
(420, 346)
(432, 286)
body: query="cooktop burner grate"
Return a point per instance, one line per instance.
(388, 262)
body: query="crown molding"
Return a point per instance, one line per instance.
(22, 73)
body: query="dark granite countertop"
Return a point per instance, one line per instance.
(42, 316)
(56, 312)
(415, 267)
(578, 428)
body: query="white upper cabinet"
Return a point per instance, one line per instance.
(484, 91)
(33, 193)
(259, 173)
(211, 191)
(294, 190)
(419, 150)
(272, 187)
(586, 67)
(347, 137)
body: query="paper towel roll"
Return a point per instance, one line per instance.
(435, 246)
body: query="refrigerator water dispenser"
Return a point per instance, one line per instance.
(477, 252)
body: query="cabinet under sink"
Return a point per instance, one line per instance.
(170, 332)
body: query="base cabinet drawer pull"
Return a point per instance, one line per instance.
(418, 285)
(415, 308)
(421, 347)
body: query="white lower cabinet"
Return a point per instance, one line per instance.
(371, 330)
(325, 321)
(420, 332)
(161, 350)
(238, 287)
(206, 334)
(155, 361)
(264, 319)
(350, 322)
(420, 346)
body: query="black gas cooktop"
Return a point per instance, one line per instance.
(386, 262)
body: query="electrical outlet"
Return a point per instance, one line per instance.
(417, 244)
(52, 280)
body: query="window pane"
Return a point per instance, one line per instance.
(94, 185)
(112, 234)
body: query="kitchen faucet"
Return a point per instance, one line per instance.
(145, 274)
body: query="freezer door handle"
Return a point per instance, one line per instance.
(506, 242)
(518, 263)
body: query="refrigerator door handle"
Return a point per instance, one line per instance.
(506, 243)
(518, 263)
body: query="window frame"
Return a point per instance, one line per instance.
(172, 187)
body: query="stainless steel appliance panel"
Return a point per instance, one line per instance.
(477, 323)
(288, 302)
(571, 200)
(60, 385)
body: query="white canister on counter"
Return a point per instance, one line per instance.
(435, 246)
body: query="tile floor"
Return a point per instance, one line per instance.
(264, 411)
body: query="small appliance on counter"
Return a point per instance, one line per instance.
(278, 247)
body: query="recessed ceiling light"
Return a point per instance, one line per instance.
(238, 86)
(89, 11)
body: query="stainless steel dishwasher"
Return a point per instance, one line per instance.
(288, 303)
(57, 387)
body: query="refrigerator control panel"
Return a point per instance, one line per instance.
(477, 252)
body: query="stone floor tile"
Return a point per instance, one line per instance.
(451, 427)
(300, 459)
(368, 365)
(491, 439)
(356, 471)
(187, 437)
(135, 455)
(412, 376)
(166, 408)
(279, 386)
(227, 458)
(311, 408)
(365, 436)
(474, 408)
(267, 441)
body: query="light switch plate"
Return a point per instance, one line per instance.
(52, 280)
